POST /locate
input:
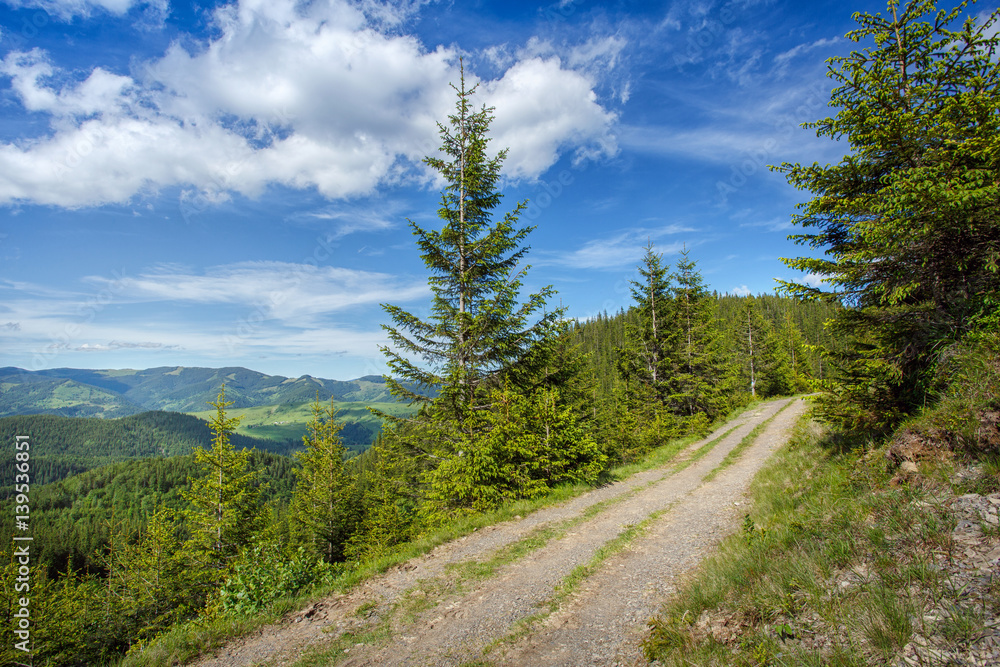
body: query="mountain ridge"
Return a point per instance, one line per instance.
(110, 393)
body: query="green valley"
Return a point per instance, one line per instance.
(287, 422)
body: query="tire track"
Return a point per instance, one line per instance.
(465, 622)
(456, 630)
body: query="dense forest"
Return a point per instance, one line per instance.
(74, 445)
(73, 519)
(512, 399)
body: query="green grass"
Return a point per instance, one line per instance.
(288, 422)
(834, 565)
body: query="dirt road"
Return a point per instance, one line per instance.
(572, 584)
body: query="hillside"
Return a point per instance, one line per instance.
(23, 392)
(71, 518)
(287, 422)
(75, 392)
(66, 446)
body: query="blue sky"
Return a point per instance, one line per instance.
(211, 184)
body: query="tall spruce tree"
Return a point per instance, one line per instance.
(322, 504)
(908, 219)
(698, 369)
(479, 336)
(647, 358)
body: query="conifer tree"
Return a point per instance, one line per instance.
(478, 333)
(698, 369)
(388, 501)
(224, 513)
(765, 369)
(646, 361)
(907, 221)
(321, 506)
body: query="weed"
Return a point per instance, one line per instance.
(886, 621)
(962, 624)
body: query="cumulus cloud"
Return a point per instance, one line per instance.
(542, 108)
(316, 95)
(741, 290)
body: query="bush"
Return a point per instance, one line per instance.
(268, 572)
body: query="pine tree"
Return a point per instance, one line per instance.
(321, 506)
(478, 333)
(519, 448)
(907, 221)
(224, 513)
(698, 369)
(387, 500)
(646, 361)
(765, 369)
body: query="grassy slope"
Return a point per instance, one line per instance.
(288, 422)
(847, 559)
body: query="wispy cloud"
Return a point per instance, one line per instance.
(293, 293)
(772, 225)
(623, 250)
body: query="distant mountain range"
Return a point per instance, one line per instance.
(72, 392)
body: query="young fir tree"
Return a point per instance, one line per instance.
(322, 504)
(478, 335)
(388, 502)
(698, 370)
(907, 221)
(647, 358)
(224, 513)
(764, 364)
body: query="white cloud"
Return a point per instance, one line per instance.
(305, 95)
(541, 109)
(812, 280)
(783, 58)
(625, 249)
(277, 308)
(742, 290)
(295, 294)
(773, 225)
(124, 345)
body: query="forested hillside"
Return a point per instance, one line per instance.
(72, 445)
(792, 332)
(29, 393)
(73, 519)
(114, 393)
